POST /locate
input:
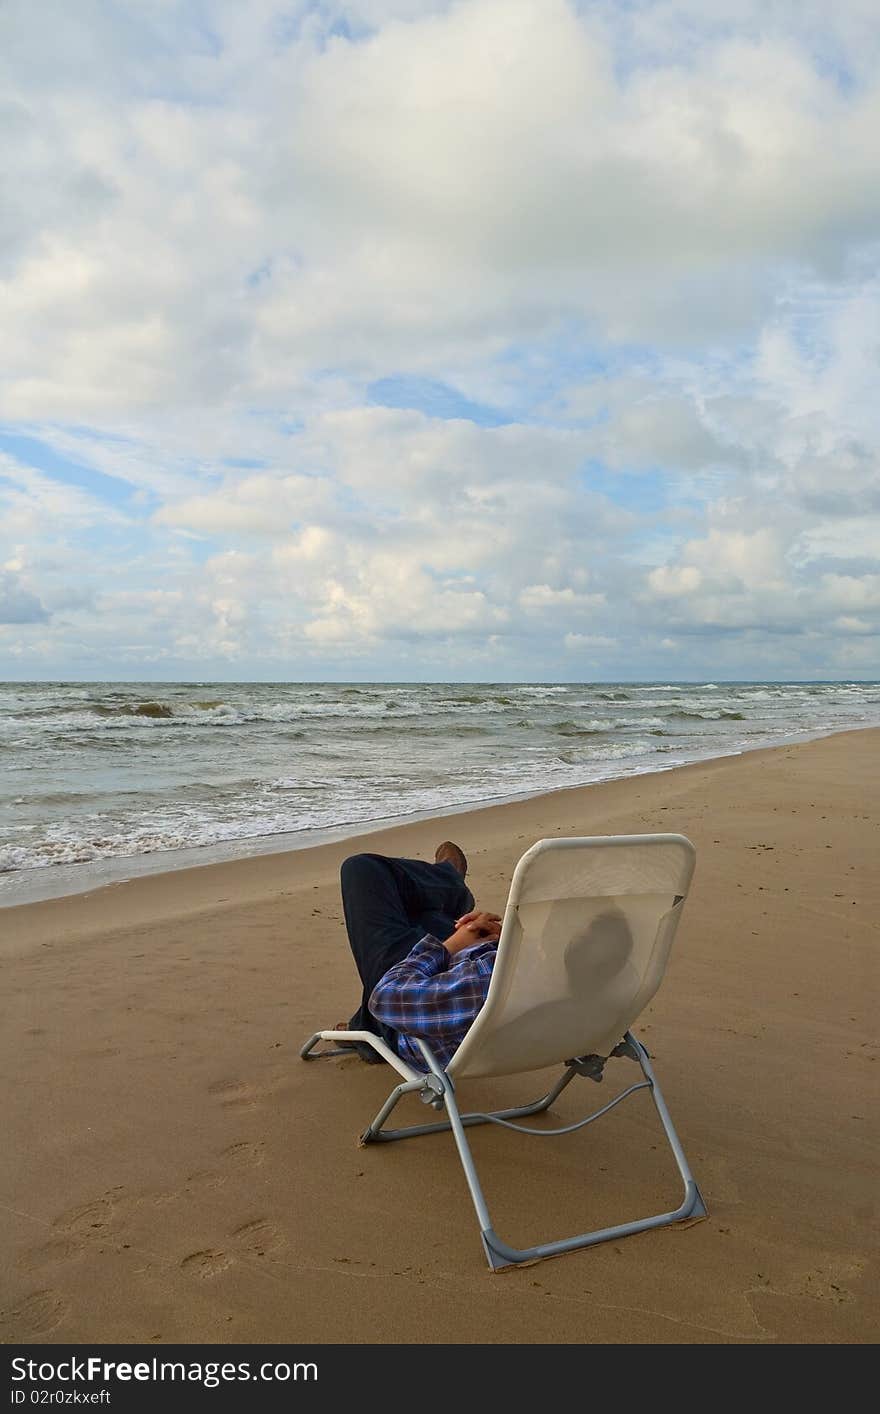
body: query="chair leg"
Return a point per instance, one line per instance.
(376, 1135)
(698, 1208)
(409, 1087)
(498, 1253)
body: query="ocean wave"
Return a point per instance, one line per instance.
(621, 751)
(140, 709)
(721, 714)
(112, 738)
(599, 726)
(594, 728)
(436, 729)
(652, 702)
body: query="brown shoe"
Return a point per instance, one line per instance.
(449, 853)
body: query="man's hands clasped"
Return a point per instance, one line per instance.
(472, 928)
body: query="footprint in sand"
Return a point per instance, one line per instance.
(161, 1200)
(260, 1237)
(57, 1249)
(242, 1154)
(204, 1179)
(233, 1094)
(37, 1314)
(245, 1153)
(89, 1219)
(208, 1263)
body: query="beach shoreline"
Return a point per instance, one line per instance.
(158, 892)
(23, 888)
(108, 782)
(174, 1172)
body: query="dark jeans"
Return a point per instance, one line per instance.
(389, 905)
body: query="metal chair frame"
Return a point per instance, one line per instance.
(436, 1088)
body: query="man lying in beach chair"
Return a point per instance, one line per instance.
(580, 953)
(423, 951)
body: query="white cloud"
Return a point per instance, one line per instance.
(847, 592)
(18, 605)
(576, 642)
(355, 203)
(541, 596)
(643, 236)
(848, 624)
(268, 505)
(841, 539)
(671, 581)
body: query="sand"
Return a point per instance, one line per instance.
(173, 1172)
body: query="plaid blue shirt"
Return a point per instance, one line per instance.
(434, 995)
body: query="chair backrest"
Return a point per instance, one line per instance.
(584, 945)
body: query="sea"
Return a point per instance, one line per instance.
(103, 781)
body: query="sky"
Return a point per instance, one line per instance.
(410, 340)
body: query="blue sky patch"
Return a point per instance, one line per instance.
(112, 489)
(434, 399)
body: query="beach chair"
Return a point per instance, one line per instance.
(584, 944)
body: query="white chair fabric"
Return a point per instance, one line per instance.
(584, 945)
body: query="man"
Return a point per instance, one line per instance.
(423, 951)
